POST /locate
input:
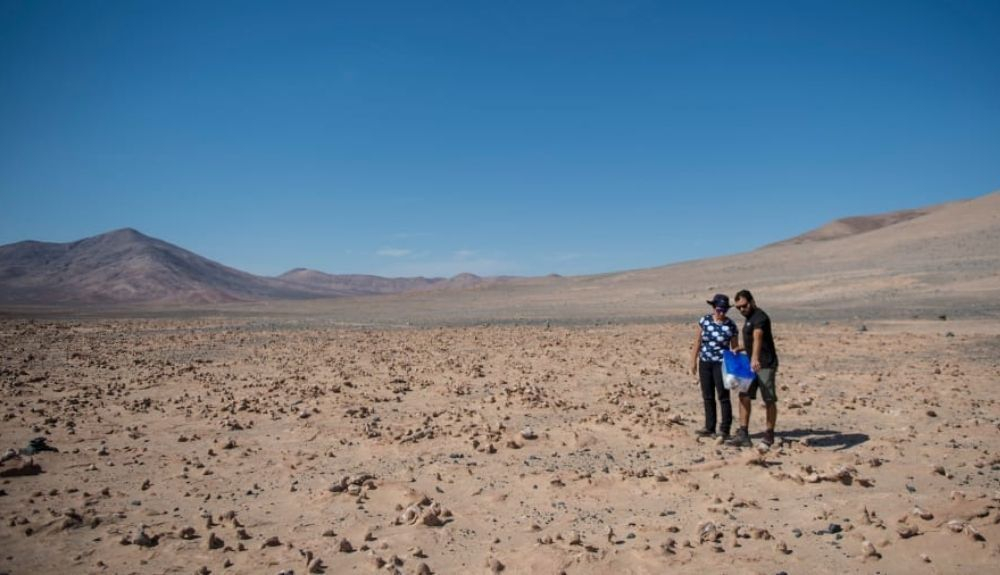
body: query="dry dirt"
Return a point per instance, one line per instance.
(244, 445)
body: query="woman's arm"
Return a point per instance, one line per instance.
(694, 351)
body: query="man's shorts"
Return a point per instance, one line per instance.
(764, 381)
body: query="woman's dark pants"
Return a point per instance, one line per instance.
(710, 374)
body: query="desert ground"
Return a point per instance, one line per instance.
(260, 444)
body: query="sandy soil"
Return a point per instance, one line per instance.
(253, 446)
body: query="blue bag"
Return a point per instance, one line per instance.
(736, 372)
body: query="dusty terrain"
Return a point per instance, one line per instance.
(269, 445)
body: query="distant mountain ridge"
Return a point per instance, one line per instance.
(127, 267)
(361, 284)
(924, 255)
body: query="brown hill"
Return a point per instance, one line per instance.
(125, 266)
(854, 225)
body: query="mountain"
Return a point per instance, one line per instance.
(125, 266)
(933, 258)
(359, 284)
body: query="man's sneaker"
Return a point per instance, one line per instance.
(704, 432)
(741, 439)
(768, 438)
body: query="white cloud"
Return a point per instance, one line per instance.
(464, 254)
(393, 252)
(565, 257)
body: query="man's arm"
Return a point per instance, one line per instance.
(758, 341)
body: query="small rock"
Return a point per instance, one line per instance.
(431, 519)
(760, 533)
(144, 540)
(669, 547)
(707, 532)
(868, 550)
(907, 531)
(973, 533)
(956, 526)
(344, 546)
(495, 566)
(317, 566)
(214, 542)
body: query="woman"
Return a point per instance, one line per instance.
(715, 333)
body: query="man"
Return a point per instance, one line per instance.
(759, 345)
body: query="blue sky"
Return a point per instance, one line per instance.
(430, 138)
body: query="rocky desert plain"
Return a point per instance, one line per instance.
(541, 425)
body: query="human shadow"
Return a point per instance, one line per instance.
(30, 468)
(826, 438)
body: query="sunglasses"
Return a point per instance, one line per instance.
(742, 307)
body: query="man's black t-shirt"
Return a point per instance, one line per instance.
(759, 320)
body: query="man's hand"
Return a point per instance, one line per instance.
(755, 365)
